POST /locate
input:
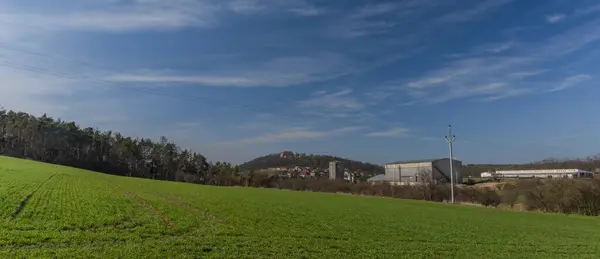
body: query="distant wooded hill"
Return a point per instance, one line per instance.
(313, 161)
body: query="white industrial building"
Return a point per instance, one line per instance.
(409, 172)
(545, 173)
(486, 175)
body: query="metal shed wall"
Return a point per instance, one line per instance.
(411, 171)
(406, 172)
(442, 170)
(392, 173)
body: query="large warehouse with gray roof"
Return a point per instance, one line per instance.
(410, 172)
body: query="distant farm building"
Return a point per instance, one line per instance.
(413, 172)
(286, 154)
(545, 173)
(486, 175)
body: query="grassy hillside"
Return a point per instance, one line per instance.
(50, 210)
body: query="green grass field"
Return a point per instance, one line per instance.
(55, 211)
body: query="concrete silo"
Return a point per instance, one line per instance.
(336, 170)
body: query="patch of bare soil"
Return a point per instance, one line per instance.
(142, 202)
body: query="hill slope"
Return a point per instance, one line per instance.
(313, 161)
(56, 211)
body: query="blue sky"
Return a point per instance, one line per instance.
(377, 81)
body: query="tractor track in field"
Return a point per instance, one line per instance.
(157, 213)
(191, 207)
(26, 199)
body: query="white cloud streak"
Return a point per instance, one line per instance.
(524, 74)
(343, 106)
(135, 15)
(107, 16)
(292, 135)
(375, 18)
(554, 18)
(475, 77)
(489, 77)
(277, 72)
(479, 78)
(501, 47)
(394, 132)
(571, 81)
(472, 13)
(340, 100)
(570, 41)
(298, 7)
(397, 8)
(202, 80)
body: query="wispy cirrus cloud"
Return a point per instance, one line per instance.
(341, 100)
(497, 48)
(276, 72)
(482, 75)
(299, 7)
(554, 18)
(484, 79)
(570, 41)
(114, 16)
(524, 74)
(393, 132)
(292, 135)
(571, 81)
(180, 79)
(486, 49)
(474, 77)
(371, 10)
(377, 18)
(472, 13)
(135, 15)
(342, 105)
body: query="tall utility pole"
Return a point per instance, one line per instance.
(450, 138)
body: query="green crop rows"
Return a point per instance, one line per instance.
(52, 211)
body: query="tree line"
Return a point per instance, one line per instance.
(59, 142)
(56, 141)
